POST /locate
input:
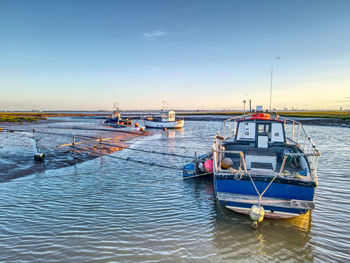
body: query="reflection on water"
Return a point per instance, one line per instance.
(275, 240)
(302, 222)
(111, 210)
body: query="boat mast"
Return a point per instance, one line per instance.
(271, 83)
(271, 88)
(165, 105)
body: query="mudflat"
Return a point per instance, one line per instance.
(20, 141)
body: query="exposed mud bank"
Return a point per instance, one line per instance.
(19, 143)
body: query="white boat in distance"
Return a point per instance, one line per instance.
(166, 119)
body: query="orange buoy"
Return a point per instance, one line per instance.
(136, 125)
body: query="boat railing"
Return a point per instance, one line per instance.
(305, 143)
(298, 136)
(229, 126)
(219, 152)
(298, 133)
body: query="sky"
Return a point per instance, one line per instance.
(86, 55)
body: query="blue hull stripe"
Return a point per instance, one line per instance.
(276, 190)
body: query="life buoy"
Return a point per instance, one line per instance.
(261, 116)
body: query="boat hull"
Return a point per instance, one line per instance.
(164, 124)
(281, 200)
(268, 213)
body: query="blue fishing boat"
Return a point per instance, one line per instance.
(115, 120)
(261, 170)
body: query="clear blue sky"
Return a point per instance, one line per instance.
(84, 55)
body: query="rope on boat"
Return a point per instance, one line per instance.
(257, 212)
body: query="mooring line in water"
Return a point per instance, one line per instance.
(74, 143)
(147, 163)
(168, 181)
(182, 138)
(98, 129)
(33, 202)
(155, 152)
(128, 159)
(44, 132)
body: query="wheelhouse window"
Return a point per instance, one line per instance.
(263, 129)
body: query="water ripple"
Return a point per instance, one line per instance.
(115, 211)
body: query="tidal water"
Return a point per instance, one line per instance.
(109, 210)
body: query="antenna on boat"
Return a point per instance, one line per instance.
(271, 83)
(165, 105)
(115, 106)
(271, 87)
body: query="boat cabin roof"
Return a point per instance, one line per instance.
(260, 129)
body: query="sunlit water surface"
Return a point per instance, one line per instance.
(108, 210)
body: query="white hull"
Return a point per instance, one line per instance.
(164, 124)
(267, 201)
(268, 213)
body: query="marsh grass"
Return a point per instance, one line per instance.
(19, 118)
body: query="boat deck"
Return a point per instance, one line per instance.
(265, 160)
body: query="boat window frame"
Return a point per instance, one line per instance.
(236, 139)
(257, 134)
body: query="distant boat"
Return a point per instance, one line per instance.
(166, 119)
(115, 119)
(258, 170)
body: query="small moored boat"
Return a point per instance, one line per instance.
(116, 120)
(261, 170)
(203, 165)
(166, 119)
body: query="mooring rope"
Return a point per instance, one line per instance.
(155, 152)
(267, 187)
(44, 132)
(127, 159)
(94, 193)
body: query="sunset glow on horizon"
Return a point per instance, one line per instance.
(86, 55)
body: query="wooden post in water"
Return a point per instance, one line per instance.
(74, 150)
(101, 146)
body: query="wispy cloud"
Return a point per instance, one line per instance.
(152, 35)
